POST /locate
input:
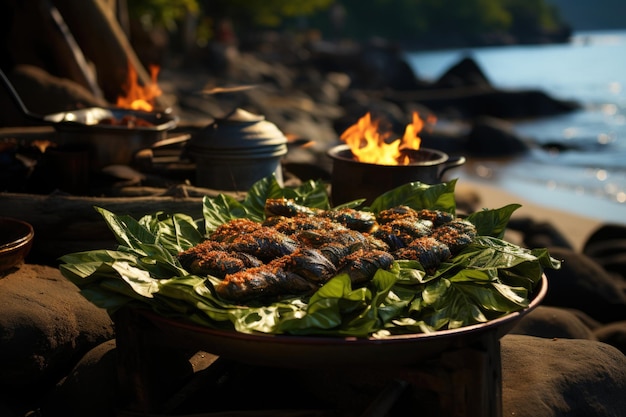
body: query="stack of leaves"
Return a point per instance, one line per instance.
(488, 279)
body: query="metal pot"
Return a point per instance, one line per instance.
(236, 151)
(353, 180)
(107, 144)
(118, 144)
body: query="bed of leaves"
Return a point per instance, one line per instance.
(490, 278)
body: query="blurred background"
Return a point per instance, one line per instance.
(571, 50)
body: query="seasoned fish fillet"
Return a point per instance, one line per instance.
(426, 250)
(210, 258)
(266, 281)
(297, 249)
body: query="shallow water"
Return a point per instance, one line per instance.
(588, 179)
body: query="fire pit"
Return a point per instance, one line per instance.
(369, 164)
(352, 179)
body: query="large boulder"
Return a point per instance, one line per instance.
(551, 322)
(613, 334)
(583, 284)
(607, 246)
(91, 387)
(491, 137)
(561, 377)
(464, 73)
(46, 326)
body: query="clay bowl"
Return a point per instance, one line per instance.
(16, 240)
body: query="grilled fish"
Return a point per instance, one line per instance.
(266, 281)
(429, 252)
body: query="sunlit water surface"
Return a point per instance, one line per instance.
(588, 179)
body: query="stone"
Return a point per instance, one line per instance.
(607, 246)
(46, 326)
(464, 73)
(90, 389)
(561, 377)
(613, 334)
(491, 136)
(583, 284)
(553, 322)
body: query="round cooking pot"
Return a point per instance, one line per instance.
(354, 180)
(236, 151)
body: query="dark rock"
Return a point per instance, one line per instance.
(494, 137)
(553, 322)
(462, 74)
(607, 246)
(562, 377)
(46, 326)
(581, 283)
(468, 102)
(90, 389)
(613, 334)
(375, 64)
(539, 234)
(584, 318)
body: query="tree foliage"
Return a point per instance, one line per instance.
(393, 19)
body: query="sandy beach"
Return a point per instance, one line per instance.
(573, 227)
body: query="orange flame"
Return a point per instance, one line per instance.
(140, 97)
(370, 145)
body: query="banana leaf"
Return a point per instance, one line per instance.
(488, 279)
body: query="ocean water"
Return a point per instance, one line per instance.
(589, 178)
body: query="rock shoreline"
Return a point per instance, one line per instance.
(565, 359)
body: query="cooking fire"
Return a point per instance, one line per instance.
(371, 145)
(140, 97)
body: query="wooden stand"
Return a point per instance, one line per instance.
(155, 376)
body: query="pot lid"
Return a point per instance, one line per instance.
(239, 130)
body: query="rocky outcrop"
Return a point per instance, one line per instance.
(561, 378)
(46, 326)
(57, 346)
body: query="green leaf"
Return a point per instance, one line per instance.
(127, 231)
(175, 232)
(418, 196)
(219, 210)
(487, 279)
(492, 222)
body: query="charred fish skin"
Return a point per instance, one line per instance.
(227, 231)
(264, 282)
(317, 238)
(217, 263)
(293, 225)
(456, 234)
(213, 258)
(362, 264)
(287, 208)
(428, 251)
(311, 264)
(437, 217)
(361, 221)
(396, 213)
(264, 243)
(400, 232)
